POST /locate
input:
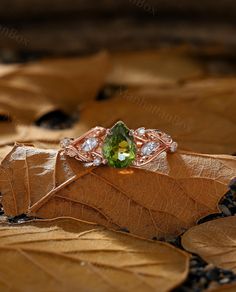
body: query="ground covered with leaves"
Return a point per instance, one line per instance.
(168, 226)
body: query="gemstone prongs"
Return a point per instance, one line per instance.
(118, 146)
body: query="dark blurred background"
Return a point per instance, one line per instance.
(67, 27)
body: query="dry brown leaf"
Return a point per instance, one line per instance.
(35, 89)
(224, 288)
(201, 119)
(4, 151)
(8, 69)
(11, 133)
(199, 115)
(71, 255)
(214, 241)
(160, 67)
(161, 200)
(22, 104)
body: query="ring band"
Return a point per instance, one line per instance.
(118, 146)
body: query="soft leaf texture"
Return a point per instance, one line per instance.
(162, 199)
(11, 133)
(215, 241)
(157, 67)
(199, 115)
(35, 89)
(224, 288)
(3, 151)
(71, 255)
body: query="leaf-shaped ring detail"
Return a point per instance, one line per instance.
(118, 146)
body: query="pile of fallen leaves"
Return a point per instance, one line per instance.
(105, 229)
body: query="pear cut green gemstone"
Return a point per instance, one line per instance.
(119, 148)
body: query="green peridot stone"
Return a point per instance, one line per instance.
(119, 148)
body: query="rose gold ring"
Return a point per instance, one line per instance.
(118, 146)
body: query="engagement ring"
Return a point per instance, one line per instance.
(118, 146)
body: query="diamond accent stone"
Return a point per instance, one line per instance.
(97, 161)
(65, 142)
(141, 131)
(149, 147)
(89, 144)
(88, 164)
(173, 147)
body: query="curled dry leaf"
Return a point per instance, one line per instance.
(23, 104)
(71, 255)
(214, 241)
(48, 85)
(199, 115)
(162, 199)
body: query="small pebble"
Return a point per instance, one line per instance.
(203, 281)
(213, 274)
(224, 281)
(194, 263)
(232, 184)
(225, 210)
(233, 210)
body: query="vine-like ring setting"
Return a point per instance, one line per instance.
(118, 146)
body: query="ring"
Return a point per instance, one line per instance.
(118, 146)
